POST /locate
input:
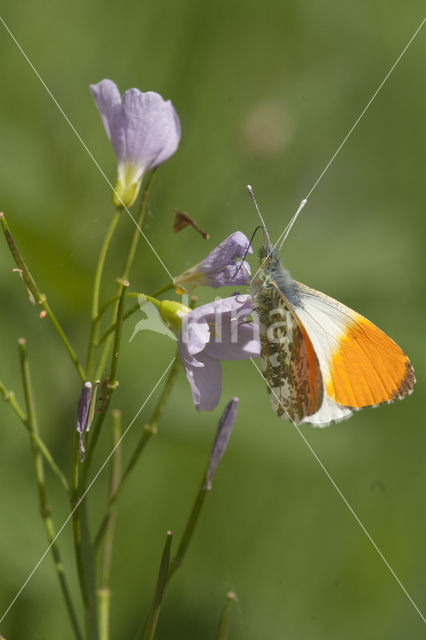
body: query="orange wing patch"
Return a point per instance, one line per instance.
(368, 368)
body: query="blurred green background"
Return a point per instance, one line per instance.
(265, 92)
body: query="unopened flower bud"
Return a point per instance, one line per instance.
(172, 313)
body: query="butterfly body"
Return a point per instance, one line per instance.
(320, 359)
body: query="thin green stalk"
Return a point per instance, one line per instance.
(112, 383)
(139, 222)
(223, 630)
(104, 356)
(159, 590)
(9, 397)
(101, 261)
(150, 429)
(111, 327)
(39, 297)
(108, 303)
(167, 287)
(219, 445)
(189, 529)
(44, 506)
(131, 310)
(128, 264)
(82, 546)
(117, 337)
(97, 287)
(38, 442)
(104, 591)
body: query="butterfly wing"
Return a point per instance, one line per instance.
(289, 364)
(360, 365)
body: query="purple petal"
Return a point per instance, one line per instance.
(194, 334)
(152, 128)
(222, 308)
(217, 328)
(223, 433)
(108, 101)
(204, 375)
(230, 275)
(238, 341)
(233, 247)
(143, 128)
(221, 267)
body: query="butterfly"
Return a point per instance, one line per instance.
(321, 360)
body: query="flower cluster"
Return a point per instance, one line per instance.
(144, 131)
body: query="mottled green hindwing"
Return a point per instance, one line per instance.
(289, 363)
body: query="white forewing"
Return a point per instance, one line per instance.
(325, 321)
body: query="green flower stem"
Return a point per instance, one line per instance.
(97, 287)
(149, 430)
(159, 590)
(39, 297)
(44, 506)
(117, 337)
(112, 382)
(189, 529)
(104, 592)
(130, 311)
(164, 289)
(131, 294)
(9, 397)
(117, 328)
(128, 264)
(177, 560)
(116, 298)
(82, 546)
(101, 261)
(111, 328)
(104, 356)
(139, 222)
(223, 630)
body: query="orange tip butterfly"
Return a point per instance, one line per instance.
(321, 360)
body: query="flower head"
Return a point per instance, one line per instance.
(82, 414)
(223, 433)
(213, 332)
(144, 130)
(222, 267)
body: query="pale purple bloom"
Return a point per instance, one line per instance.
(223, 266)
(213, 332)
(143, 128)
(82, 413)
(223, 433)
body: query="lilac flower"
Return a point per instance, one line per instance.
(143, 129)
(211, 333)
(223, 433)
(82, 413)
(219, 268)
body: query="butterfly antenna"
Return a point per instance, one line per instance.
(283, 236)
(265, 231)
(247, 250)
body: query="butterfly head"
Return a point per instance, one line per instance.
(268, 253)
(269, 258)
